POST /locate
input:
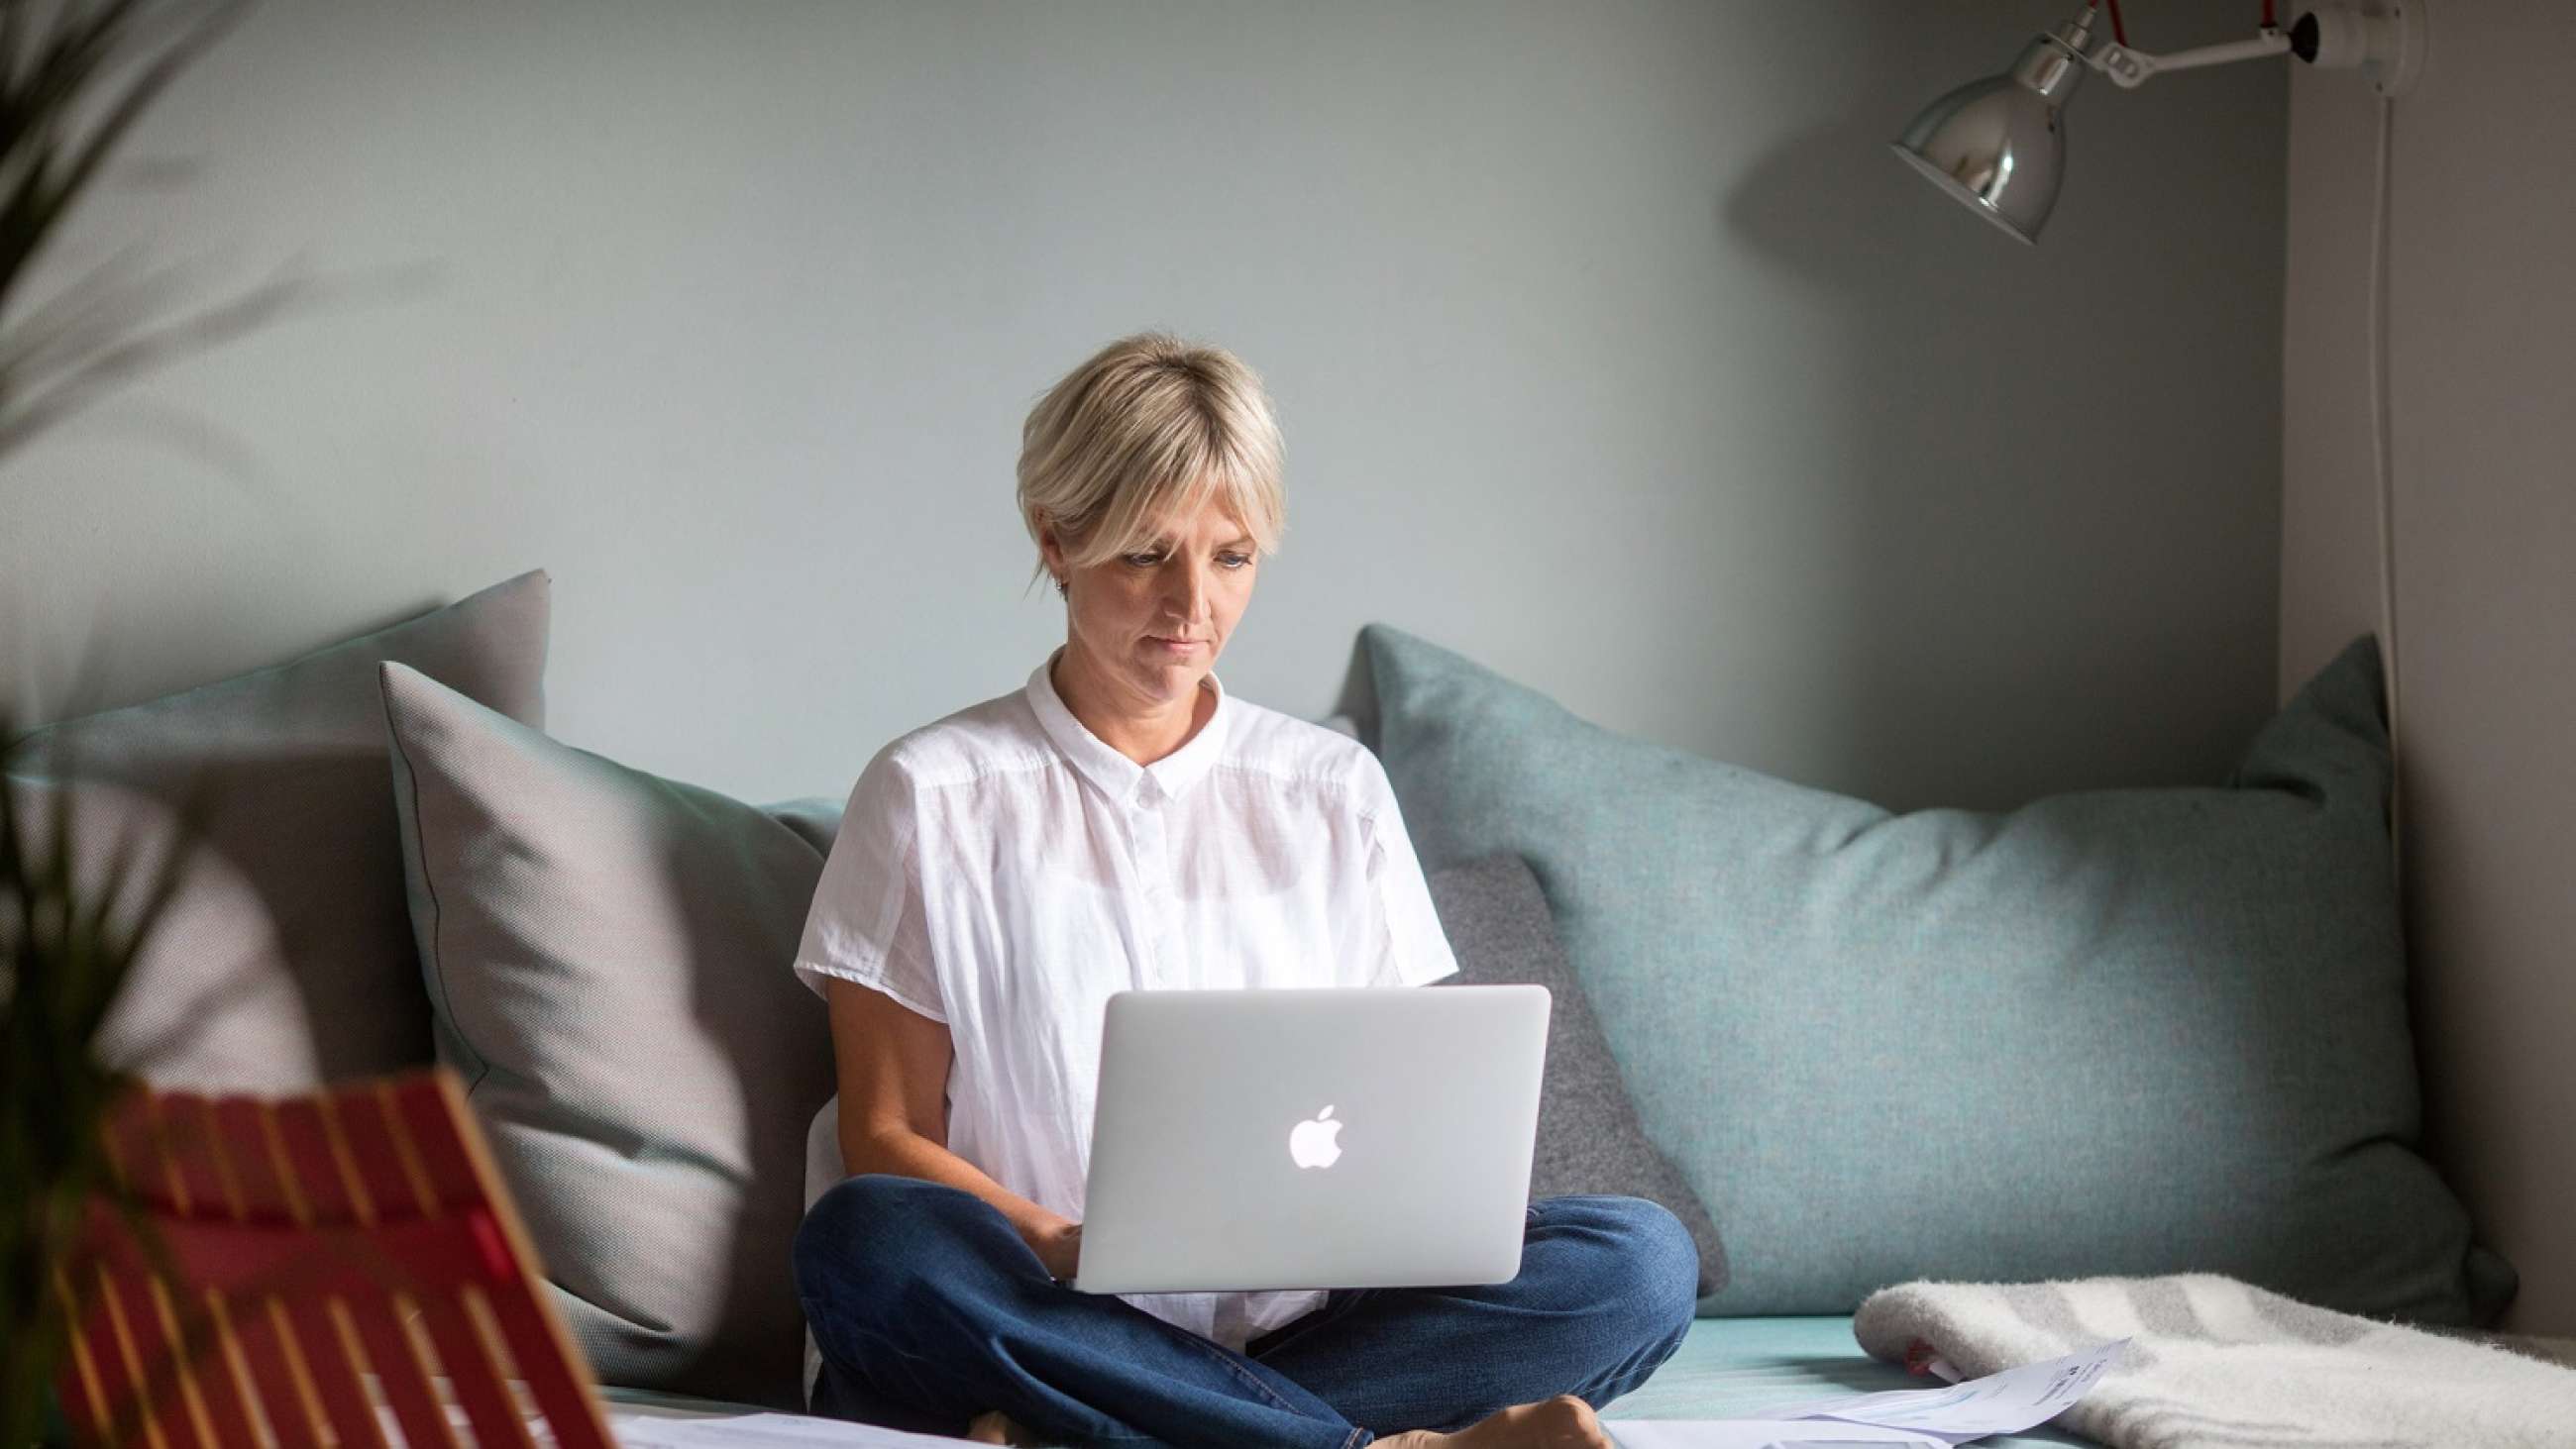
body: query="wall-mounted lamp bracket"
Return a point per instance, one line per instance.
(2384, 39)
(2130, 69)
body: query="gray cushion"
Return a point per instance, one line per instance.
(1588, 1136)
(287, 958)
(2115, 1032)
(607, 954)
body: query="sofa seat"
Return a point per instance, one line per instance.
(1726, 1366)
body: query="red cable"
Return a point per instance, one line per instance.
(2119, 32)
(2268, 22)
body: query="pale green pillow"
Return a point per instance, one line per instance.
(285, 960)
(2117, 1032)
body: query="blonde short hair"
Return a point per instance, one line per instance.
(1151, 428)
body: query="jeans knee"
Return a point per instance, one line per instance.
(873, 1241)
(1667, 1265)
(1649, 1268)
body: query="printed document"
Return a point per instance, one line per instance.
(2003, 1403)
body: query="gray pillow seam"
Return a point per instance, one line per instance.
(433, 960)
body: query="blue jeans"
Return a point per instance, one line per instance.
(929, 1309)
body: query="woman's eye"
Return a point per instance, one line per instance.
(1234, 560)
(1143, 560)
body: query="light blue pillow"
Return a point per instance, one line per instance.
(2116, 1032)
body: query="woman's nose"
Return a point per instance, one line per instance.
(1186, 591)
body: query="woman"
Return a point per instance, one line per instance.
(1123, 822)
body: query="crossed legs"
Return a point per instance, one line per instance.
(930, 1310)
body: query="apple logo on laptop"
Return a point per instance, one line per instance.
(1312, 1144)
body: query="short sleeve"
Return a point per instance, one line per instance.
(1412, 949)
(868, 923)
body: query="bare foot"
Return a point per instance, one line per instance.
(1563, 1422)
(995, 1427)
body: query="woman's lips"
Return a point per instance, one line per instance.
(1177, 646)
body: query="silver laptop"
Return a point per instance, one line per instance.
(1345, 1137)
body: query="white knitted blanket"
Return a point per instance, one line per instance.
(2219, 1363)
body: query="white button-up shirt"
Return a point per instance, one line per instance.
(1004, 870)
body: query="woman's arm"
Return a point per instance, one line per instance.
(893, 1068)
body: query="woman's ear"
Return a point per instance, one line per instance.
(1051, 553)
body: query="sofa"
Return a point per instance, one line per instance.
(2119, 1032)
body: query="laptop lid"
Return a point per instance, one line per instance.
(1338, 1137)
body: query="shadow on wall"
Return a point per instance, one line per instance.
(2036, 570)
(2020, 504)
(155, 635)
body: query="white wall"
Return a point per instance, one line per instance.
(1613, 348)
(2483, 346)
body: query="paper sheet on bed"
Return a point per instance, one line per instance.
(2003, 1403)
(1761, 1434)
(758, 1431)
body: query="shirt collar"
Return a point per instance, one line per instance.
(1119, 777)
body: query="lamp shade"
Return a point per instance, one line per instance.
(1999, 145)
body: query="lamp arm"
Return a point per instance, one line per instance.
(2130, 69)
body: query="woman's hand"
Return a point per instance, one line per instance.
(1059, 1246)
